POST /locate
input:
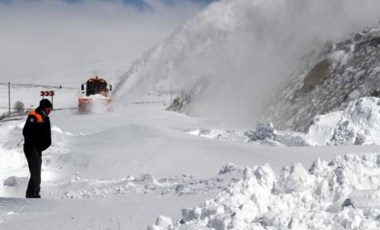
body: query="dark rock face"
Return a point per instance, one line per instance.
(179, 104)
(317, 75)
(349, 70)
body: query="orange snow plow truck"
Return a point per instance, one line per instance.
(94, 96)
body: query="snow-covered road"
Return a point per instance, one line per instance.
(123, 169)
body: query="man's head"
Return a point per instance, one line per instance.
(46, 106)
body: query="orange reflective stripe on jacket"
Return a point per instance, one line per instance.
(38, 116)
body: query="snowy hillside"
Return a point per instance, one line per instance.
(232, 57)
(343, 72)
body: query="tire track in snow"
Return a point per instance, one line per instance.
(79, 188)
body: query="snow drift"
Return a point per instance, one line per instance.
(241, 50)
(357, 124)
(330, 195)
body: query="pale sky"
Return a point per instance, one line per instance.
(54, 42)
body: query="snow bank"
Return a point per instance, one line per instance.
(357, 124)
(210, 133)
(264, 134)
(267, 134)
(147, 184)
(225, 135)
(330, 195)
(322, 129)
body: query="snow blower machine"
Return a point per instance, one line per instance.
(94, 96)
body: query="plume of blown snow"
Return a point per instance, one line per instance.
(243, 48)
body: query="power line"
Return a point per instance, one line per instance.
(37, 85)
(9, 98)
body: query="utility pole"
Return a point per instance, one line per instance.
(171, 94)
(9, 99)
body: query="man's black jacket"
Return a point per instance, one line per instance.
(37, 132)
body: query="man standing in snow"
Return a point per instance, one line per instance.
(37, 136)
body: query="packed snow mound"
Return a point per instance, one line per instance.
(357, 124)
(224, 135)
(263, 134)
(330, 195)
(267, 134)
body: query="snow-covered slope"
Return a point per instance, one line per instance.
(345, 71)
(241, 50)
(125, 168)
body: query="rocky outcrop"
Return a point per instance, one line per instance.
(350, 69)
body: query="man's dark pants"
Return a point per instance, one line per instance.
(34, 158)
